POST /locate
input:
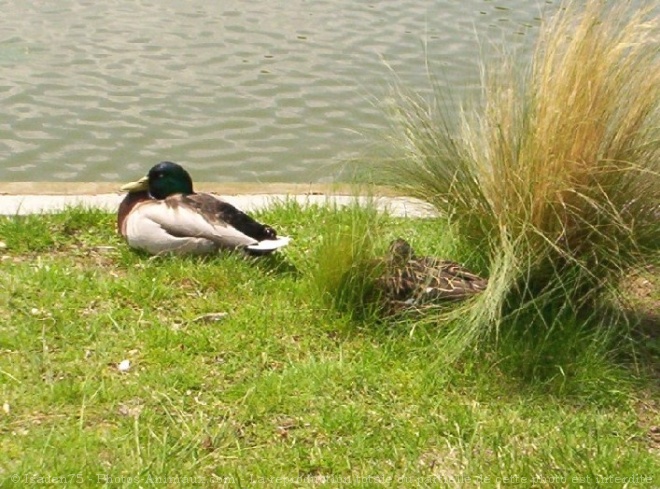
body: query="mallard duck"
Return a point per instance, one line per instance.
(409, 281)
(162, 214)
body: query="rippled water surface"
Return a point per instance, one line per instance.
(234, 90)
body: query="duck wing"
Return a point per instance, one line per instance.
(443, 279)
(177, 217)
(224, 214)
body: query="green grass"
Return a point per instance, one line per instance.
(286, 385)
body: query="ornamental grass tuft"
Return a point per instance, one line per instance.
(554, 177)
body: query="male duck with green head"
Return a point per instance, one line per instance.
(162, 214)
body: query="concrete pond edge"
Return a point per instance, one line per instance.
(22, 198)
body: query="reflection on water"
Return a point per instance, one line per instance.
(235, 91)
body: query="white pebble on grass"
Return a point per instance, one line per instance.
(124, 365)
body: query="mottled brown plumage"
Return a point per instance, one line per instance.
(412, 282)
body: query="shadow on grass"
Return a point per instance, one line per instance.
(275, 263)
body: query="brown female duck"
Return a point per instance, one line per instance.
(409, 281)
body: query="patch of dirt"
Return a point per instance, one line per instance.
(643, 289)
(648, 415)
(642, 292)
(94, 256)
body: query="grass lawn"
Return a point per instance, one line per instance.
(282, 390)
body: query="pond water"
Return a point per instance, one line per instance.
(262, 91)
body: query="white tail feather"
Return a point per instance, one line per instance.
(270, 244)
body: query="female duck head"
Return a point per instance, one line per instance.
(400, 251)
(164, 179)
